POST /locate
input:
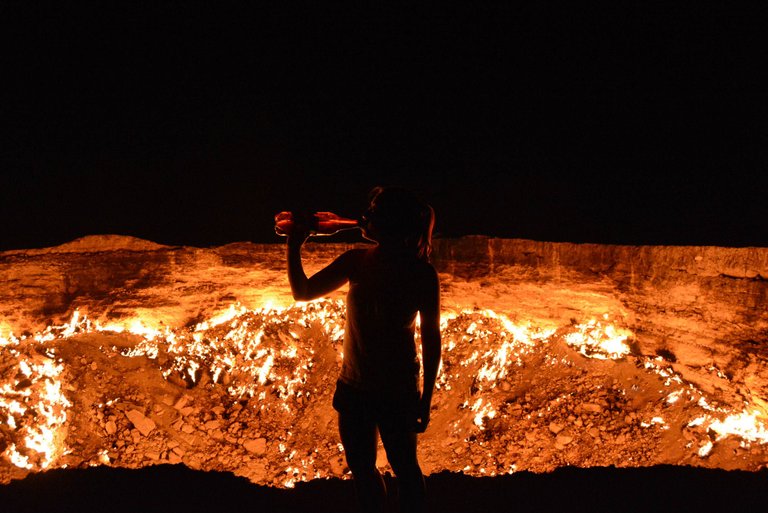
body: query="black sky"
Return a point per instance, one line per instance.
(630, 123)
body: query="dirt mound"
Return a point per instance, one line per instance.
(95, 244)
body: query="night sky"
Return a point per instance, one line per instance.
(556, 121)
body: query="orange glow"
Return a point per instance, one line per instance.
(270, 355)
(601, 340)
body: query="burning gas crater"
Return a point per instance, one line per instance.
(249, 391)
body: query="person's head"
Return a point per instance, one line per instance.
(398, 219)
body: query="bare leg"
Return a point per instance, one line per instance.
(401, 453)
(359, 437)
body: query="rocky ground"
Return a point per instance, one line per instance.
(252, 396)
(130, 355)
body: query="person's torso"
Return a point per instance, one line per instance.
(382, 305)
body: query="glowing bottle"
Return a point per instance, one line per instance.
(319, 223)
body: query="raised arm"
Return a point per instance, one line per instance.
(430, 345)
(324, 281)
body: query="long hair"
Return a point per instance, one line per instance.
(400, 216)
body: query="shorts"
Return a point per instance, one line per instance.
(389, 411)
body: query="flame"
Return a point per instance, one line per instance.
(655, 421)
(483, 411)
(598, 340)
(36, 410)
(270, 351)
(6, 336)
(233, 311)
(502, 343)
(705, 449)
(747, 425)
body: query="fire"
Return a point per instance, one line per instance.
(483, 411)
(747, 425)
(268, 358)
(6, 336)
(595, 339)
(501, 343)
(34, 408)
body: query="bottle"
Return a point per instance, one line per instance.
(319, 223)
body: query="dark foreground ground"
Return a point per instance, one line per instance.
(169, 488)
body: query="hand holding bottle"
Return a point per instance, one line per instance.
(318, 223)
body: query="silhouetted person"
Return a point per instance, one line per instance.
(378, 391)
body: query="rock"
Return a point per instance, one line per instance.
(591, 407)
(594, 432)
(174, 459)
(257, 470)
(258, 446)
(142, 423)
(212, 424)
(563, 440)
(193, 462)
(181, 403)
(186, 410)
(152, 455)
(555, 428)
(338, 466)
(188, 429)
(110, 427)
(448, 441)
